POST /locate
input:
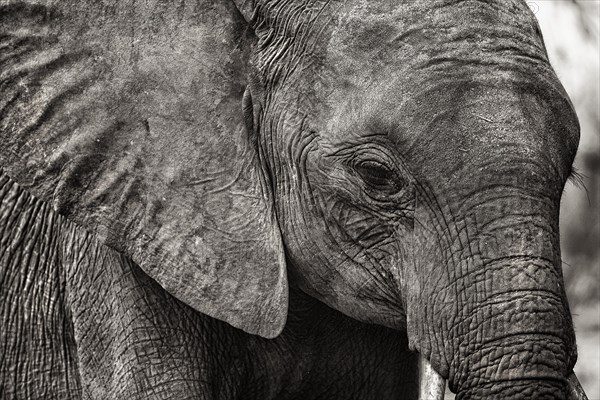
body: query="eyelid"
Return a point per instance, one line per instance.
(375, 163)
(374, 155)
(352, 157)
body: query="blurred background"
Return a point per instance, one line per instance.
(571, 31)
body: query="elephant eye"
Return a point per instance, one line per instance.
(378, 176)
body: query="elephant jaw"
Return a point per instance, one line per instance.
(432, 385)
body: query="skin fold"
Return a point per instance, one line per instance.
(281, 200)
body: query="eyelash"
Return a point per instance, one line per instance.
(383, 185)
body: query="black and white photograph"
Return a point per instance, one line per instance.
(300, 199)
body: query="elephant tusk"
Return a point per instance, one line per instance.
(431, 384)
(575, 390)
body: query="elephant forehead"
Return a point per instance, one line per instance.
(386, 36)
(494, 138)
(398, 69)
(456, 100)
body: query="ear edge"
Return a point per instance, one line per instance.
(265, 317)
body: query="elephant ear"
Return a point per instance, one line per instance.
(128, 119)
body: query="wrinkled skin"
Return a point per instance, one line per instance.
(401, 163)
(98, 327)
(436, 164)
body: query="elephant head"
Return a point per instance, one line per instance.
(403, 163)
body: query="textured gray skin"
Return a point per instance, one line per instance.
(127, 118)
(407, 158)
(79, 320)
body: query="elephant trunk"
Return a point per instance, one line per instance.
(498, 324)
(516, 340)
(432, 385)
(516, 343)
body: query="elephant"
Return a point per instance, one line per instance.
(282, 199)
